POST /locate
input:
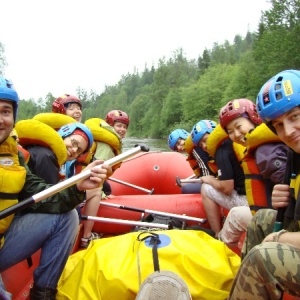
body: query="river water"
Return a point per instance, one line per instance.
(153, 144)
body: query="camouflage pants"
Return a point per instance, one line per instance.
(267, 269)
(260, 226)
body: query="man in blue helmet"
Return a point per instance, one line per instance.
(271, 258)
(54, 225)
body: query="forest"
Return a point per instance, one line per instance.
(180, 92)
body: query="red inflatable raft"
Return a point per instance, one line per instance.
(146, 181)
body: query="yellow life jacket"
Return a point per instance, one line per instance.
(189, 147)
(55, 121)
(102, 132)
(13, 177)
(34, 132)
(257, 192)
(214, 141)
(295, 184)
(295, 187)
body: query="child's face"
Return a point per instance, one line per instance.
(287, 127)
(120, 129)
(74, 111)
(179, 147)
(202, 142)
(75, 145)
(238, 128)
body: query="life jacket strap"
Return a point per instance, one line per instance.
(8, 196)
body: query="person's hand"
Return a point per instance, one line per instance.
(111, 196)
(97, 176)
(269, 237)
(280, 195)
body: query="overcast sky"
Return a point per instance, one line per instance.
(59, 45)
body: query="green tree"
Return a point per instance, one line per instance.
(172, 110)
(204, 61)
(27, 109)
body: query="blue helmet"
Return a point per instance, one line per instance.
(200, 129)
(68, 129)
(175, 135)
(7, 92)
(279, 95)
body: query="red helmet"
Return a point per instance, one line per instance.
(61, 103)
(117, 116)
(237, 108)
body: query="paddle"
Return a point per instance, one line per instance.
(126, 222)
(68, 182)
(278, 225)
(150, 192)
(188, 180)
(148, 211)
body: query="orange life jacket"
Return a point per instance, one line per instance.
(258, 191)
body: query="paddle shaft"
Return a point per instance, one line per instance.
(278, 224)
(150, 192)
(149, 211)
(190, 179)
(126, 222)
(196, 180)
(68, 182)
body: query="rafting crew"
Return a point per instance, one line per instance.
(263, 163)
(271, 250)
(71, 106)
(52, 223)
(251, 162)
(107, 144)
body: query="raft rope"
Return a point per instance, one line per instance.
(201, 163)
(154, 241)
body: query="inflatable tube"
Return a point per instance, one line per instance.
(53, 120)
(34, 132)
(102, 132)
(150, 170)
